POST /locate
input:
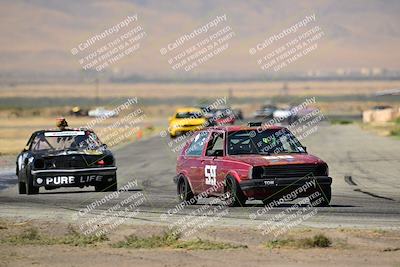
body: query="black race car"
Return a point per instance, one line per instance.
(65, 158)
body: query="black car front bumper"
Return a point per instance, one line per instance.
(73, 177)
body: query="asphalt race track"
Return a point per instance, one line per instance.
(371, 198)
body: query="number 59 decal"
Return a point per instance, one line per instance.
(210, 172)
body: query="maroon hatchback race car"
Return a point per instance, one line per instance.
(243, 162)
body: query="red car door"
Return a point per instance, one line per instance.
(194, 161)
(213, 163)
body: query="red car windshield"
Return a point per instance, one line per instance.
(265, 142)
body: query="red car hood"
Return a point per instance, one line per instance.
(277, 159)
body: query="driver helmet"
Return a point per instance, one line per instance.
(61, 123)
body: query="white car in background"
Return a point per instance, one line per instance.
(282, 113)
(102, 112)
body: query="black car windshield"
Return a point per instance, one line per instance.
(188, 115)
(263, 142)
(65, 140)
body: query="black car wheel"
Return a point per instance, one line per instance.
(30, 189)
(21, 185)
(234, 195)
(185, 193)
(111, 187)
(21, 188)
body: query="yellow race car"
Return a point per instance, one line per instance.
(186, 120)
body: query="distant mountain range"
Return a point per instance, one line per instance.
(37, 36)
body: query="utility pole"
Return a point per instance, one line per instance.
(230, 94)
(285, 89)
(97, 91)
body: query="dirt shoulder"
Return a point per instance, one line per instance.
(46, 243)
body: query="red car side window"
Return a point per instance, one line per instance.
(196, 147)
(215, 147)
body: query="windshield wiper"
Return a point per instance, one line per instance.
(243, 153)
(289, 152)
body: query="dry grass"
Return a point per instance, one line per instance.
(317, 241)
(171, 90)
(172, 240)
(384, 128)
(32, 236)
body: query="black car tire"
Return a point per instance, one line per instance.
(21, 185)
(185, 192)
(21, 188)
(111, 187)
(30, 189)
(99, 188)
(235, 196)
(326, 194)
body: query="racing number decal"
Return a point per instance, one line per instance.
(210, 172)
